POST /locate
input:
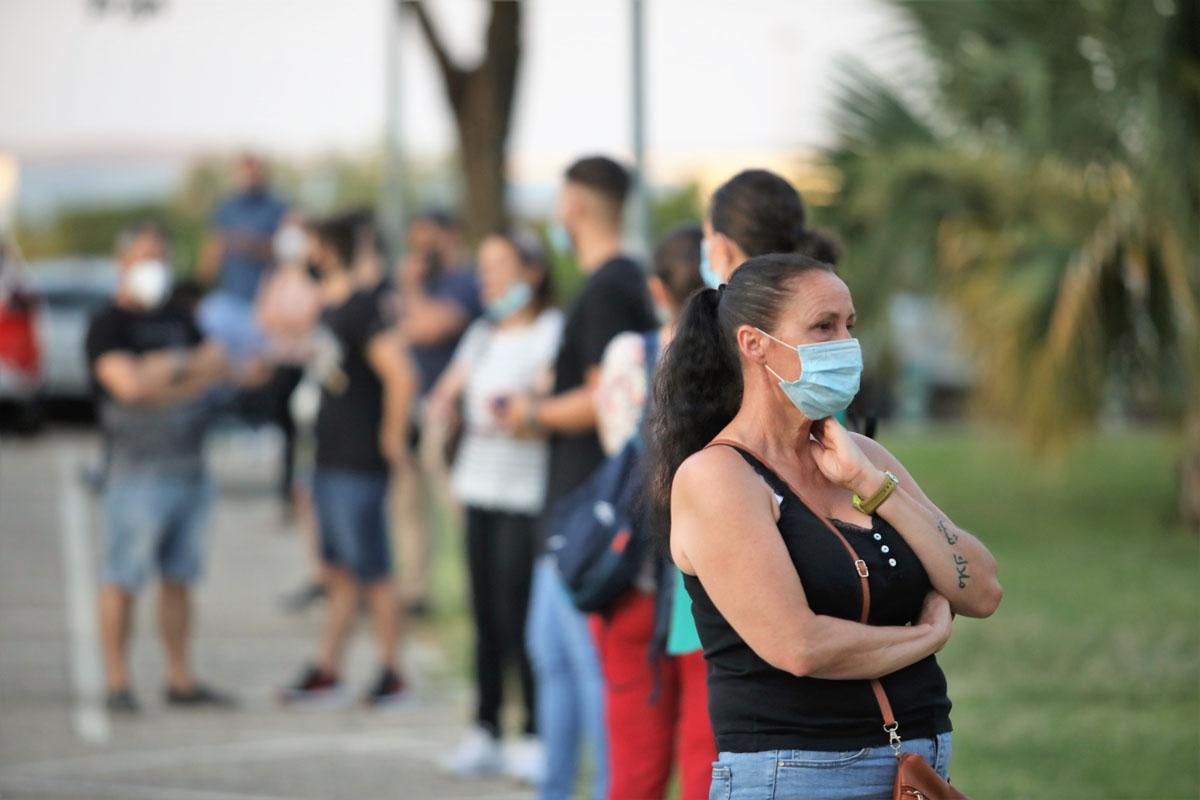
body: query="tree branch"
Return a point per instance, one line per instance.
(504, 54)
(453, 75)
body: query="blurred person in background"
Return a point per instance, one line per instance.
(287, 308)
(614, 299)
(152, 368)
(439, 297)
(236, 256)
(656, 703)
(754, 213)
(500, 478)
(361, 435)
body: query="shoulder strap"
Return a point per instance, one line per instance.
(860, 566)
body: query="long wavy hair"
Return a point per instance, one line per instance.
(698, 385)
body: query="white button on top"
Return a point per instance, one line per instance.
(891, 562)
(878, 537)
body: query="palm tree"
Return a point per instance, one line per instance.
(1046, 180)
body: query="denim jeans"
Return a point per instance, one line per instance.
(570, 689)
(865, 774)
(155, 523)
(352, 520)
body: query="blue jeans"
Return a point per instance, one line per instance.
(865, 774)
(352, 521)
(154, 523)
(570, 688)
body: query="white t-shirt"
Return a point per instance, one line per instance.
(495, 470)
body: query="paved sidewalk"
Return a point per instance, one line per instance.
(55, 739)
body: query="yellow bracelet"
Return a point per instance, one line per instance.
(868, 507)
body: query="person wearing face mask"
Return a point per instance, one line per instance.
(287, 310)
(823, 580)
(754, 213)
(500, 478)
(151, 369)
(613, 300)
(656, 703)
(438, 294)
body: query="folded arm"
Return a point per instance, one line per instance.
(724, 531)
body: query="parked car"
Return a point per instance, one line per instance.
(20, 361)
(69, 292)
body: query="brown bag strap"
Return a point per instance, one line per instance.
(885, 707)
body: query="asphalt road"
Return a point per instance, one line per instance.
(56, 741)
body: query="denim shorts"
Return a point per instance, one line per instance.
(865, 774)
(155, 522)
(353, 522)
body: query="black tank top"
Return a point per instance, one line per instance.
(756, 707)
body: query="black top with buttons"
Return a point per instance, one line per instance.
(756, 707)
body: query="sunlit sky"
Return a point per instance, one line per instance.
(305, 75)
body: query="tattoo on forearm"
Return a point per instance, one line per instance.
(951, 538)
(960, 564)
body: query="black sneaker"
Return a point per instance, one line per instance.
(388, 690)
(122, 701)
(200, 696)
(314, 687)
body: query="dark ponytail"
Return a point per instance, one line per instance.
(698, 385)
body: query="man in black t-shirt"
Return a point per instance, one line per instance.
(367, 387)
(151, 369)
(614, 300)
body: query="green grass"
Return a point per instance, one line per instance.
(1086, 682)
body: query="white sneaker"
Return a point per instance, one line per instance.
(525, 760)
(477, 755)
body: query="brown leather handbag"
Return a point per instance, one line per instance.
(915, 779)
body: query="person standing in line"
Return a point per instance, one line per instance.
(823, 579)
(500, 478)
(235, 257)
(151, 369)
(613, 300)
(287, 309)
(439, 298)
(754, 213)
(362, 430)
(657, 700)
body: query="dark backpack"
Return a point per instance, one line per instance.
(599, 532)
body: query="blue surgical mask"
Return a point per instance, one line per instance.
(511, 302)
(559, 238)
(829, 376)
(711, 279)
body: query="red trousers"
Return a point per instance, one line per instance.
(646, 739)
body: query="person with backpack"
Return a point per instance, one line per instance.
(657, 703)
(614, 299)
(500, 478)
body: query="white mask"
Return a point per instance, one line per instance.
(148, 282)
(290, 245)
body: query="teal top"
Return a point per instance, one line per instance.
(683, 637)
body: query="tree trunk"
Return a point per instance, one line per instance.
(481, 100)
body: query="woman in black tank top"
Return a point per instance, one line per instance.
(823, 579)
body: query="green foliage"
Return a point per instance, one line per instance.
(1083, 684)
(1045, 180)
(674, 207)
